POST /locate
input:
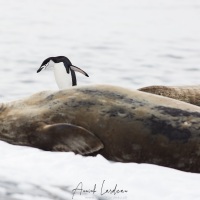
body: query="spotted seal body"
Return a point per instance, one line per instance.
(120, 124)
(189, 94)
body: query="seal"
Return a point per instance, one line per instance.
(189, 94)
(120, 124)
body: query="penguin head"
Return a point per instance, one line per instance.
(52, 61)
(47, 63)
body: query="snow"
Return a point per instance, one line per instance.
(29, 173)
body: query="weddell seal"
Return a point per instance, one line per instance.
(120, 124)
(189, 94)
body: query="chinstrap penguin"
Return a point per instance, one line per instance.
(62, 67)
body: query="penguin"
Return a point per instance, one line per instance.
(62, 67)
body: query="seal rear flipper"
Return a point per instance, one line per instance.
(65, 137)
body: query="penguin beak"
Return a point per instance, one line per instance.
(74, 68)
(41, 67)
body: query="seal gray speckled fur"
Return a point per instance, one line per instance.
(120, 124)
(189, 94)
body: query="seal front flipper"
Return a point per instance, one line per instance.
(65, 137)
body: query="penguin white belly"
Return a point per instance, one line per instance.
(63, 79)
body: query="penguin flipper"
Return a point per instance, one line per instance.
(66, 66)
(65, 137)
(73, 78)
(77, 69)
